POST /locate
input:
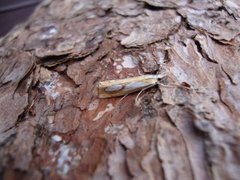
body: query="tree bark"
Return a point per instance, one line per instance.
(53, 125)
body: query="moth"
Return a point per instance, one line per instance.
(121, 87)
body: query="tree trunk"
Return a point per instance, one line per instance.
(53, 125)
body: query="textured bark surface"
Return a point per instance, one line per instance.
(54, 126)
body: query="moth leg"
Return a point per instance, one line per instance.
(136, 99)
(122, 99)
(117, 104)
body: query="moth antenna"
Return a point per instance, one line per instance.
(167, 86)
(174, 85)
(161, 75)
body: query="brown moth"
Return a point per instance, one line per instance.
(121, 87)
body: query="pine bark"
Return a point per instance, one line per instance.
(53, 125)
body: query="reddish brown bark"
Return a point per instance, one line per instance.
(54, 126)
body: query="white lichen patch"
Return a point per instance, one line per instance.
(118, 68)
(93, 105)
(56, 138)
(128, 62)
(50, 119)
(49, 32)
(161, 57)
(178, 19)
(113, 128)
(48, 84)
(50, 90)
(101, 113)
(65, 157)
(52, 85)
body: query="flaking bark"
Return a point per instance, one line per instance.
(54, 126)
